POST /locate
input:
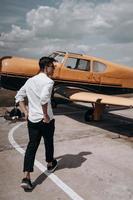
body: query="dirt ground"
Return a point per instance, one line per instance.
(6, 100)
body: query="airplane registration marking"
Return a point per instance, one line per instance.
(71, 193)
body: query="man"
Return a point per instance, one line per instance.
(39, 114)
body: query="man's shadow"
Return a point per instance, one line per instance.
(38, 181)
(64, 161)
(72, 160)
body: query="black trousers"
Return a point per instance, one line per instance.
(36, 131)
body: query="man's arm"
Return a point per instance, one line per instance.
(24, 109)
(45, 113)
(19, 98)
(45, 98)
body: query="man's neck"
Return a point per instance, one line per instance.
(44, 73)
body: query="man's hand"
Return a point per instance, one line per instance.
(26, 115)
(24, 109)
(46, 119)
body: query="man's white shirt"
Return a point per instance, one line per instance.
(38, 90)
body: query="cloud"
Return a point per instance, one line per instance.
(71, 19)
(17, 34)
(77, 26)
(119, 15)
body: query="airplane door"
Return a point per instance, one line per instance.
(98, 70)
(76, 69)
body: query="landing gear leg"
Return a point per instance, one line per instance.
(94, 113)
(98, 111)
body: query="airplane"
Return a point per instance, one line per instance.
(77, 77)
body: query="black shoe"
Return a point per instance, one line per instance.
(26, 184)
(52, 168)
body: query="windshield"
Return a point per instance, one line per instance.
(58, 57)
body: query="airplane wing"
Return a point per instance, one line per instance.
(101, 98)
(99, 101)
(91, 97)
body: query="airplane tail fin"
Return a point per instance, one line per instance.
(1, 60)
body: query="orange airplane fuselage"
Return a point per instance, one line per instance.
(82, 71)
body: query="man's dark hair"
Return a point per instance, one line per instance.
(46, 61)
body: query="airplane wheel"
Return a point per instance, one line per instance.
(89, 115)
(54, 103)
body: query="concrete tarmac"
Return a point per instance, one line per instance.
(95, 159)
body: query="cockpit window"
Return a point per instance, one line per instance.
(83, 65)
(71, 63)
(58, 57)
(99, 67)
(78, 64)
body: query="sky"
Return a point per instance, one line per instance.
(34, 28)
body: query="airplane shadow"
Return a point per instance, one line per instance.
(112, 122)
(64, 161)
(115, 123)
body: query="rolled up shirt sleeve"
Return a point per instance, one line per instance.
(21, 94)
(46, 93)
